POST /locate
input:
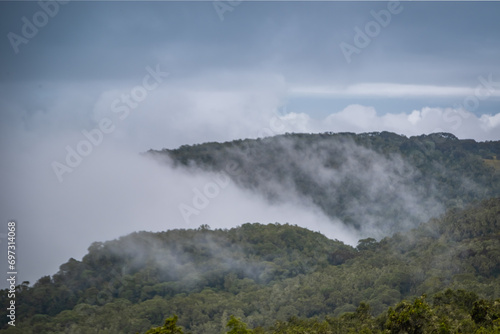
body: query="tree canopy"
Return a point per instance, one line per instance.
(274, 278)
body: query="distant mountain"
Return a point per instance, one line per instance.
(270, 274)
(380, 182)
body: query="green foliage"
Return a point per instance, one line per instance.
(277, 279)
(301, 326)
(373, 178)
(367, 244)
(169, 327)
(485, 313)
(286, 279)
(409, 318)
(236, 326)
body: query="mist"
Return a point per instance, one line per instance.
(373, 193)
(114, 190)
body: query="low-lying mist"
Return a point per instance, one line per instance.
(114, 192)
(376, 193)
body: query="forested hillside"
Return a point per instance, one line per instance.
(431, 205)
(278, 279)
(377, 182)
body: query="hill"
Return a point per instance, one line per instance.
(272, 276)
(377, 182)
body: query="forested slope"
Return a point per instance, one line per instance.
(379, 182)
(271, 276)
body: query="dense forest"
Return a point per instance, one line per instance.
(430, 266)
(381, 182)
(441, 277)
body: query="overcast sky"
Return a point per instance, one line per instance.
(234, 71)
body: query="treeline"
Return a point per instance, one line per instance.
(450, 311)
(276, 277)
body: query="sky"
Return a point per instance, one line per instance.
(87, 86)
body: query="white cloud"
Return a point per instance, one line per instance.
(364, 117)
(358, 118)
(491, 122)
(115, 192)
(391, 90)
(297, 122)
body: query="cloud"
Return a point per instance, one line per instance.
(490, 122)
(359, 118)
(115, 191)
(385, 90)
(343, 180)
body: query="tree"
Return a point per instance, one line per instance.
(367, 244)
(486, 313)
(169, 327)
(409, 318)
(237, 326)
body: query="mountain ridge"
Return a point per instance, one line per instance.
(377, 181)
(429, 205)
(296, 272)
